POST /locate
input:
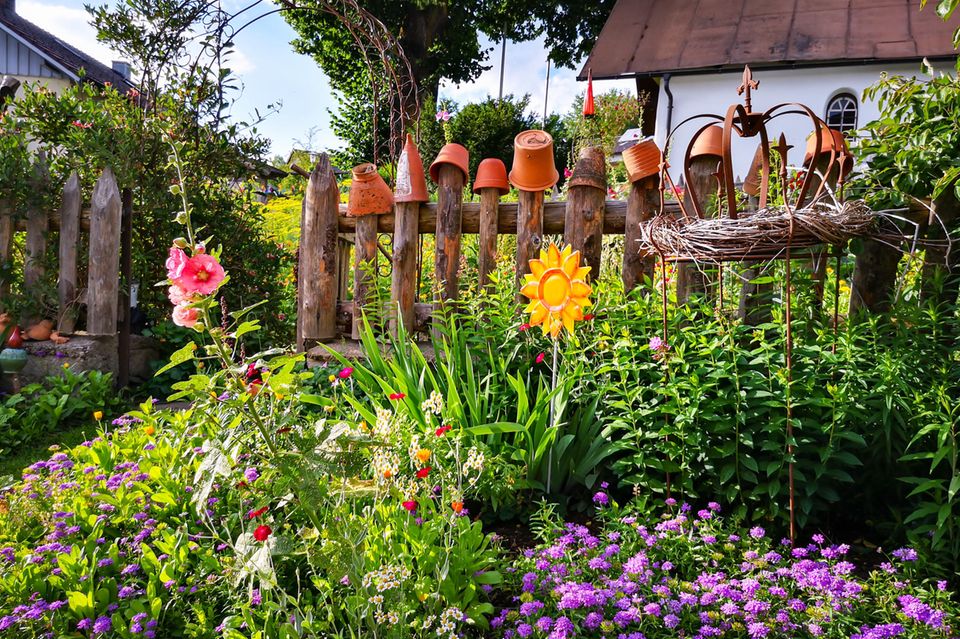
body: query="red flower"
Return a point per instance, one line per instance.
(253, 514)
(423, 472)
(539, 359)
(242, 484)
(346, 372)
(440, 431)
(588, 317)
(410, 505)
(524, 327)
(283, 430)
(262, 532)
(397, 395)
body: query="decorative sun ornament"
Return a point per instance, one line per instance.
(557, 288)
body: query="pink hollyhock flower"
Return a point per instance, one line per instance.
(175, 263)
(201, 274)
(178, 296)
(184, 315)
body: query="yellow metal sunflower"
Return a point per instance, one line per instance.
(557, 288)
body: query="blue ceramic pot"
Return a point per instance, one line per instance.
(12, 360)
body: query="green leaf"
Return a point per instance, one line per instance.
(185, 354)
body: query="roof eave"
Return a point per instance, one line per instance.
(49, 60)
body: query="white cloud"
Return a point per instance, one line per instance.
(70, 24)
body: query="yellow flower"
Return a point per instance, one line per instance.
(98, 415)
(557, 289)
(422, 596)
(332, 378)
(149, 430)
(423, 455)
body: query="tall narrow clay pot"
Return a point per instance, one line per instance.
(534, 168)
(368, 192)
(454, 154)
(411, 180)
(492, 173)
(642, 160)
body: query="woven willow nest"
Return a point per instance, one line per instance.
(763, 234)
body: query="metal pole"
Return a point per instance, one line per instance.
(503, 64)
(546, 96)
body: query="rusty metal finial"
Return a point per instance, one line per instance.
(748, 84)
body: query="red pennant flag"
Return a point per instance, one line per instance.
(588, 108)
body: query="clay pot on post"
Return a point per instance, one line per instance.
(831, 141)
(411, 190)
(490, 183)
(534, 168)
(642, 160)
(455, 154)
(369, 195)
(450, 170)
(709, 142)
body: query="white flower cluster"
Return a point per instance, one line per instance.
(433, 404)
(413, 448)
(387, 578)
(475, 460)
(384, 426)
(385, 464)
(448, 621)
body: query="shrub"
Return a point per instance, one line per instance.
(689, 574)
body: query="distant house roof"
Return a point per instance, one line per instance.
(61, 55)
(653, 37)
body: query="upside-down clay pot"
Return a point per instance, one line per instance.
(751, 183)
(491, 174)
(534, 168)
(590, 169)
(830, 140)
(40, 331)
(642, 160)
(411, 181)
(709, 142)
(455, 154)
(369, 194)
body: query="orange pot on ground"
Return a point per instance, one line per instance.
(368, 192)
(534, 168)
(40, 331)
(411, 180)
(455, 154)
(492, 173)
(590, 169)
(642, 160)
(709, 142)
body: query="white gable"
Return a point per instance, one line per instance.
(19, 59)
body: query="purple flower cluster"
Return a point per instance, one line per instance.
(682, 576)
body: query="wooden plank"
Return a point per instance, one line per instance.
(529, 233)
(364, 267)
(583, 229)
(318, 274)
(403, 288)
(7, 227)
(691, 279)
(103, 278)
(35, 249)
(642, 204)
(449, 218)
(69, 239)
(489, 203)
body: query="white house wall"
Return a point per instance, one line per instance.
(714, 93)
(20, 61)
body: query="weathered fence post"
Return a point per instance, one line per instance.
(449, 213)
(38, 226)
(529, 233)
(586, 197)
(411, 190)
(369, 197)
(318, 276)
(126, 277)
(642, 204)
(691, 278)
(7, 228)
(755, 302)
(69, 239)
(490, 183)
(103, 279)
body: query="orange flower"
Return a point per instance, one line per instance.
(387, 474)
(149, 429)
(423, 455)
(457, 506)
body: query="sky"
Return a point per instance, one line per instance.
(271, 73)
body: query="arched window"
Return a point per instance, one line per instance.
(842, 112)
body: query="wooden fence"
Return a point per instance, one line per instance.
(103, 222)
(327, 233)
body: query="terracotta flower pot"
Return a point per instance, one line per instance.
(492, 173)
(534, 168)
(709, 142)
(40, 331)
(411, 181)
(15, 340)
(590, 169)
(830, 140)
(642, 160)
(751, 183)
(368, 192)
(454, 154)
